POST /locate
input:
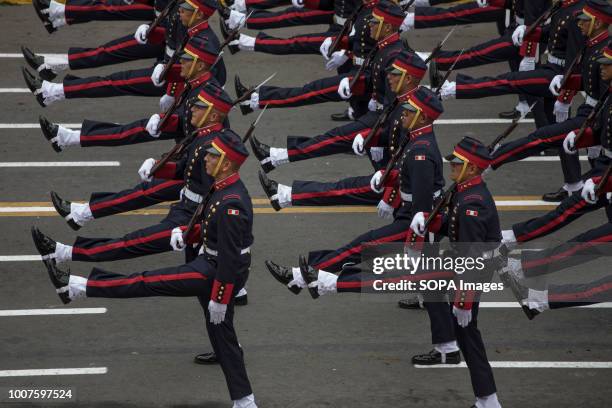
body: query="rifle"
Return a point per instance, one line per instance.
(438, 47)
(197, 215)
(231, 36)
(570, 68)
(160, 17)
(551, 11)
(406, 6)
(391, 164)
(366, 62)
(449, 72)
(346, 29)
(247, 94)
(444, 202)
(510, 128)
(175, 151)
(253, 125)
(591, 118)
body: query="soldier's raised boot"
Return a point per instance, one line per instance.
(270, 187)
(262, 152)
(309, 274)
(34, 84)
(283, 275)
(240, 91)
(42, 11)
(434, 357)
(47, 66)
(63, 208)
(60, 280)
(50, 132)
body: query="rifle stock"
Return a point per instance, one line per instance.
(175, 151)
(604, 180)
(552, 10)
(346, 28)
(441, 204)
(164, 13)
(591, 118)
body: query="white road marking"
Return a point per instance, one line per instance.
(19, 258)
(35, 125)
(14, 90)
(20, 55)
(52, 312)
(62, 164)
(532, 364)
(515, 305)
(53, 371)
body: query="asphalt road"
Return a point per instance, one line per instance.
(340, 351)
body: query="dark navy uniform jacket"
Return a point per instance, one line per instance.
(226, 232)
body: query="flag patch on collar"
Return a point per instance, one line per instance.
(233, 212)
(471, 213)
(419, 157)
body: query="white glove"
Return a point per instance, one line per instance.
(358, 145)
(153, 125)
(176, 239)
(464, 317)
(165, 102)
(527, 64)
(235, 20)
(418, 223)
(372, 105)
(385, 211)
(569, 143)
(377, 153)
(588, 192)
(155, 76)
(555, 85)
(217, 312)
(375, 180)
(408, 22)
(324, 48)
(141, 34)
(298, 3)
(344, 89)
(239, 5)
(482, 3)
(561, 111)
(518, 34)
(337, 59)
(145, 170)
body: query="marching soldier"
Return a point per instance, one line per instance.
(196, 60)
(208, 114)
(403, 76)
(598, 133)
(193, 15)
(214, 276)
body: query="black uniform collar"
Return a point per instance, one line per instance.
(474, 181)
(421, 131)
(393, 38)
(569, 3)
(200, 80)
(197, 28)
(206, 130)
(228, 181)
(597, 40)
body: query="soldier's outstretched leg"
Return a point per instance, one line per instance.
(299, 44)
(83, 11)
(289, 17)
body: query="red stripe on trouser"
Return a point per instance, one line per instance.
(454, 14)
(287, 16)
(330, 193)
(110, 82)
(101, 50)
(512, 82)
(565, 254)
(109, 8)
(297, 98)
(147, 279)
(358, 248)
(121, 244)
(281, 41)
(579, 295)
(140, 193)
(527, 146)
(473, 53)
(113, 136)
(360, 284)
(553, 223)
(323, 143)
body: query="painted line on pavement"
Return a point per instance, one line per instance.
(533, 364)
(61, 164)
(53, 371)
(52, 312)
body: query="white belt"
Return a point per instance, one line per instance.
(408, 197)
(519, 20)
(213, 252)
(169, 51)
(195, 197)
(339, 20)
(607, 152)
(358, 61)
(557, 61)
(590, 101)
